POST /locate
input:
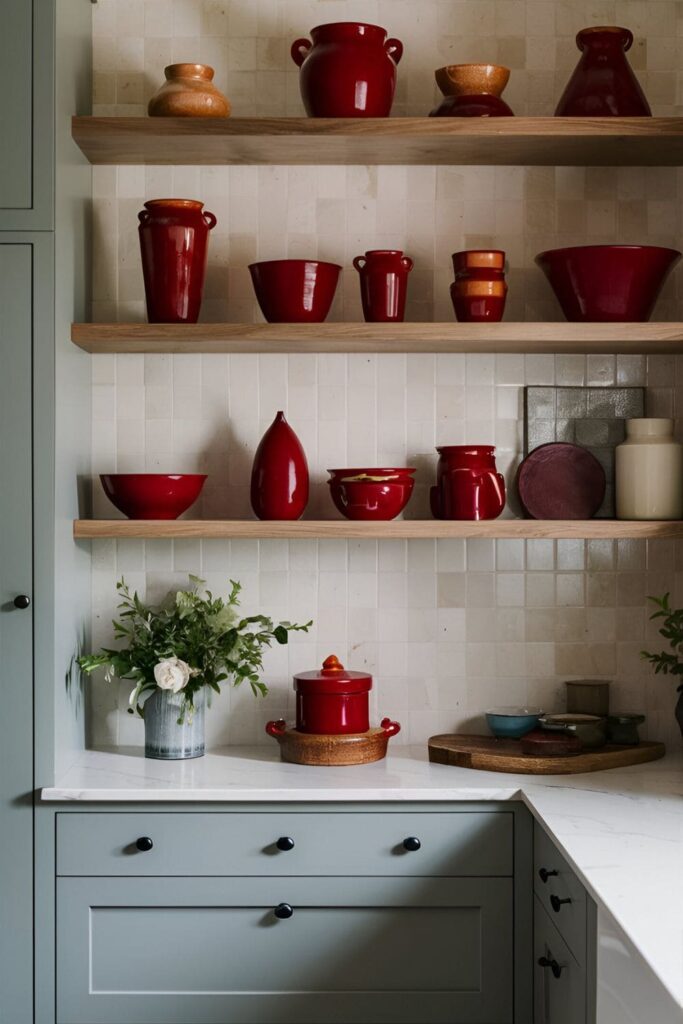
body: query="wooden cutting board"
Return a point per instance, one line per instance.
(487, 753)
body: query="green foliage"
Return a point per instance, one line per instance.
(672, 630)
(204, 631)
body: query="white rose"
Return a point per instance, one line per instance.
(172, 674)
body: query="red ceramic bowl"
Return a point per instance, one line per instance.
(607, 283)
(294, 291)
(371, 494)
(152, 495)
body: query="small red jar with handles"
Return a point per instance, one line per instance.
(349, 70)
(479, 289)
(174, 239)
(468, 485)
(332, 700)
(383, 284)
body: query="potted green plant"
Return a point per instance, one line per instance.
(669, 662)
(180, 652)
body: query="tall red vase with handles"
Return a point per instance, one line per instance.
(279, 476)
(174, 239)
(383, 284)
(349, 70)
(603, 83)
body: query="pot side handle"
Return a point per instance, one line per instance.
(390, 728)
(143, 216)
(407, 262)
(299, 50)
(359, 262)
(276, 729)
(394, 47)
(209, 219)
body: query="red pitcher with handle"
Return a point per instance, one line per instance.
(383, 284)
(174, 239)
(468, 486)
(349, 70)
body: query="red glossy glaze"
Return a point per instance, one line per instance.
(349, 70)
(152, 495)
(472, 106)
(383, 284)
(467, 483)
(294, 291)
(174, 237)
(603, 83)
(479, 290)
(279, 475)
(332, 700)
(606, 283)
(371, 499)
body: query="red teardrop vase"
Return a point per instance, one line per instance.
(279, 475)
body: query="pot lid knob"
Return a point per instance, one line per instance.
(332, 664)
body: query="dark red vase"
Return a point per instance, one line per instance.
(383, 284)
(603, 83)
(468, 485)
(279, 475)
(349, 70)
(174, 237)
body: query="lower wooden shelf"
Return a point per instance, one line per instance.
(402, 529)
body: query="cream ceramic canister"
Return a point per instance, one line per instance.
(649, 471)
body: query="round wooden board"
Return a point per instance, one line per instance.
(487, 753)
(316, 749)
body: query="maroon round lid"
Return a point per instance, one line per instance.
(332, 678)
(561, 481)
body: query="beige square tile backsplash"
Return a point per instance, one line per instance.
(447, 628)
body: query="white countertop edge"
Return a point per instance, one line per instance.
(610, 826)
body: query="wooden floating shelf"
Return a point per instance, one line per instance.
(568, 141)
(559, 338)
(403, 529)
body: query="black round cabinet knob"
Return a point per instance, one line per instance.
(144, 843)
(285, 843)
(283, 911)
(22, 601)
(544, 874)
(556, 903)
(543, 961)
(412, 843)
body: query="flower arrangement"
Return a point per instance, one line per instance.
(192, 640)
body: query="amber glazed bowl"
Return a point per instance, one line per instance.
(152, 495)
(608, 283)
(371, 494)
(472, 90)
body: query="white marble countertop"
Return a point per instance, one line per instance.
(622, 829)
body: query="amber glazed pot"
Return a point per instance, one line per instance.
(603, 83)
(479, 290)
(174, 240)
(472, 90)
(188, 92)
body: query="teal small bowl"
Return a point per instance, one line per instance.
(511, 723)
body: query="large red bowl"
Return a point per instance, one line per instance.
(608, 283)
(371, 494)
(152, 495)
(294, 291)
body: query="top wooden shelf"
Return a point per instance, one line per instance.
(569, 141)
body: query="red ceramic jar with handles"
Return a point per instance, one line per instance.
(603, 83)
(468, 485)
(332, 700)
(279, 475)
(479, 290)
(383, 284)
(174, 239)
(349, 70)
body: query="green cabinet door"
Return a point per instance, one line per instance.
(16, 637)
(26, 114)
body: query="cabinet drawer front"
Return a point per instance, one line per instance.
(557, 1000)
(368, 843)
(211, 951)
(568, 917)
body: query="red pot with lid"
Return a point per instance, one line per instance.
(332, 699)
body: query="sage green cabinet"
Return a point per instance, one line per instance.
(16, 634)
(27, 29)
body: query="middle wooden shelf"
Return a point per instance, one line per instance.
(558, 338)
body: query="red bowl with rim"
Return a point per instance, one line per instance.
(152, 495)
(294, 291)
(608, 283)
(371, 494)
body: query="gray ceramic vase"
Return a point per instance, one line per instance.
(165, 739)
